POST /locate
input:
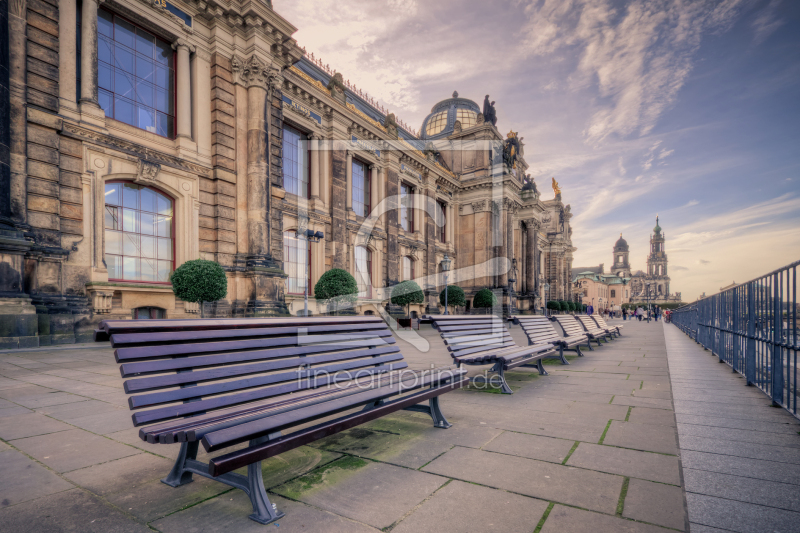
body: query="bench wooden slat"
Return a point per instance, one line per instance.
(180, 324)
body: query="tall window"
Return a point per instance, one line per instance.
(296, 262)
(408, 268)
(406, 212)
(613, 293)
(139, 233)
(363, 273)
(361, 189)
(441, 225)
(295, 163)
(135, 75)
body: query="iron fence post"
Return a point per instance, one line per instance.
(750, 349)
(777, 351)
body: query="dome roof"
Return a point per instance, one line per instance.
(621, 245)
(657, 229)
(442, 119)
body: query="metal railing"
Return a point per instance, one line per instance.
(753, 327)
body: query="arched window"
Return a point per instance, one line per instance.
(296, 262)
(363, 273)
(295, 162)
(139, 233)
(408, 268)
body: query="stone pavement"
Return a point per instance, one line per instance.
(741, 456)
(590, 447)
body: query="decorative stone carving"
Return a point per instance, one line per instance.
(183, 42)
(147, 172)
(479, 206)
(336, 87)
(480, 119)
(254, 72)
(191, 307)
(532, 223)
(101, 300)
(391, 126)
(457, 127)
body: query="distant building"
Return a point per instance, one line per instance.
(653, 285)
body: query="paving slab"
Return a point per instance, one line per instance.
(67, 512)
(531, 446)
(646, 415)
(23, 480)
(751, 468)
(738, 516)
(446, 512)
(780, 454)
(639, 401)
(28, 425)
(373, 493)
(647, 437)
(655, 503)
(732, 487)
(73, 449)
(573, 486)
(229, 513)
(631, 463)
(126, 473)
(756, 437)
(562, 519)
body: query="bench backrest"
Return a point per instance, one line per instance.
(465, 335)
(601, 322)
(571, 327)
(587, 322)
(220, 363)
(538, 328)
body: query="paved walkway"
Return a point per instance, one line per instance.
(740, 455)
(591, 447)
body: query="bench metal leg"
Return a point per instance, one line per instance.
(434, 410)
(561, 355)
(252, 484)
(499, 372)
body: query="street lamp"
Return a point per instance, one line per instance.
(310, 236)
(546, 288)
(445, 269)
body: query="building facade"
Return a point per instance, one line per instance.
(143, 134)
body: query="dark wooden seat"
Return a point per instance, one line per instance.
(223, 382)
(601, 323)
(572, 328)
(483, 340)
(590, 327)
(539, 330)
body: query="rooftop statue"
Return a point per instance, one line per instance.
(511, 150)
(489, 113)
(556, 188)
(391, 126)
(336, 86)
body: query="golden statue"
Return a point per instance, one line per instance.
(556, 188)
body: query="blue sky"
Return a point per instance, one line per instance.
(686, 109)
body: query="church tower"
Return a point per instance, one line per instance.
(657, 263)
(619, 263)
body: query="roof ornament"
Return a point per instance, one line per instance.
(556, 188)
(489, 112)
(455, 94)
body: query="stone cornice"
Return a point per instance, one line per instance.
(254, 72)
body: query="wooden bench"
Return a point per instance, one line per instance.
(539, 330)
(590, 326)
(224, 382)
(483, 340)
(572, 328)
(601, 323)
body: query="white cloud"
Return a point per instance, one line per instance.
(766, 22)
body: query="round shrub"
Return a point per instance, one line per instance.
(406, 293)
(455, 296)
(553, 305)
(484, 298)
(199, 281)
(572, 306)
(563, 305)
(337, 286)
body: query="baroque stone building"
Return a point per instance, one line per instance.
(145, 133)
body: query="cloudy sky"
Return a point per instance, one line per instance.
(684, 108)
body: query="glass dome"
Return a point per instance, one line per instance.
(442, 119)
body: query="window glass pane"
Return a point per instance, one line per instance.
(105, 76)
(145, 69)
(163, 53)
(106, 102)
(130, 268)
(147, 119)
(112, 217)
(165, 249)
(162, 77)
(163, 101)
(362, 273)
(131, 244)
(130, 220)
(113, 242)
(104, 24)
(112, 193)
(124, 111)
(164, 227)
(124, 32)
(147, 269)
(148, 223)
(114, 264)
(164, 125)
(123, 84)
(130, 195)
(359, 197)
(123, 60)
(295, 162)
(148, 246)
(105, 50)
(164, 270)
(145, 44)
(164, 205)
(147, 197)
(296, 258)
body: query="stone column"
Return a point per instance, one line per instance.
(314, 148)
(89, 53)
(17, 68)
(184, 87)
(531, 252)
(349, 181)
(418, 209)
(325, 171)
(502, 279)
(67, 48)
(373, 186)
